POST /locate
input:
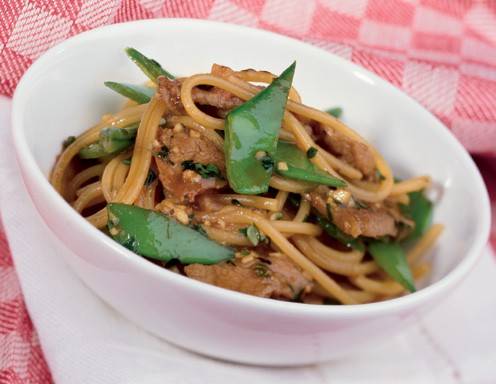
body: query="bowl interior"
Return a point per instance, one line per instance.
(66, 96)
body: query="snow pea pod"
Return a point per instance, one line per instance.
(392, 259)
(156, 236)
(111, 141)
(420, 210)
(333, 231)
(251, 133)
(137, 93)
(96, 150)
(150, 67)
(294, 164)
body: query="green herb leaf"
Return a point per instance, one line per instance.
(261, 270)
(163, 153)
(379, 175)
(294, 199)
(392, 259)
(150, 178)
(336, 112)
(253, 234)
(206, 171)
(311, 152)
(68, 141)
(199, 228)
(267, 163)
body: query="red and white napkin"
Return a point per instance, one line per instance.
(442, 53)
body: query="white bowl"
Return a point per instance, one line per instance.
(63, 94)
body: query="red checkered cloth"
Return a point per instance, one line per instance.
(441, 52)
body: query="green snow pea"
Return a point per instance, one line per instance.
(156, 236)
(251, 134)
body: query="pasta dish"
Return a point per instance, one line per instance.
(228, 178)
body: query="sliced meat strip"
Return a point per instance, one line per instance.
(216, 97)
(170, 92)
(187, 145)
(275, 277)
(352, 151)
(374, 221)
(369, 222)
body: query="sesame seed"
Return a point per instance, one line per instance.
(194, 134)
(114, 231)
(247, 259)
(260, 155)
(282, 166)
(178, 128)
(182, 217)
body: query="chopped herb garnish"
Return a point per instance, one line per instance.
(151, 177)
(244, 251)
(361, 204)
(199, 228)
(204, 170)
(267, 163)
(261, 270)
(336, 112)
(253, 234)
(379, 175)
(163, 153)
(296, 294)
(126, 161)
(68, 141)
(235, 202)
(312, 152)
(331, 301)
(294, 199)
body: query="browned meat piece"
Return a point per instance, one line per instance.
(180, 212)
(216, 97)
(371, 222)
(170, 92)
(353, 152)
(186, 144)
(318, 199)
(183, 185)
(275, 277)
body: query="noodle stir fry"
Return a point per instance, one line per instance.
(229, 179)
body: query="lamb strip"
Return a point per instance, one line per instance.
(274, 277)
(187, 145)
